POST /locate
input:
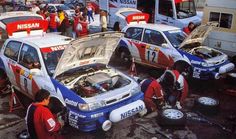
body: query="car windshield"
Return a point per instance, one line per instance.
(125, 14)
(20, 18)
(185, 9)
(176, 37)
(51, 56)
(63, 7)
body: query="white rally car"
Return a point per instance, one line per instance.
(10, 17)
(127, 16)
(162, 46)
(94, 93)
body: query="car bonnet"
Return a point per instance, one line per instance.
(198, 35)
(96, 48)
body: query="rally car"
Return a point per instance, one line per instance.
(9, 17)
(126, 16)
(80, 80)
(162, 46)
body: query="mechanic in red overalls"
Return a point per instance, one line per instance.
(152, 93)
(40, 122)
(84, 24)
(54, 21)
(174, 86)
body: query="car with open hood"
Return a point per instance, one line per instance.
(164, 46)
(77, 75)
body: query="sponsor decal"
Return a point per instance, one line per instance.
(26, 26)
(138, 17)
(51, 122)
(53, 48)
(131, 112)
(71, 102)
(74, 115)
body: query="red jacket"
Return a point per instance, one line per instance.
(45, 124)
(52, 21)
(84, 30)
(152, 89)
(186, 30)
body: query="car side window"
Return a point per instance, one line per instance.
(153, 37)
(165, 8)
(134, 33)
(29, 57)
(12, 50)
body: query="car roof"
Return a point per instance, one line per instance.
(158, 27)
(47, 40)
(17, 14)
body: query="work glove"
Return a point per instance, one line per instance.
(166, 106)
(61, 121)
(178, 105)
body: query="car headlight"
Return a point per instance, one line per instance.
(205, 64)
(91, 106)
(135, 90)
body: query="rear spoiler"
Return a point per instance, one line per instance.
(26, 28)
(137, 18)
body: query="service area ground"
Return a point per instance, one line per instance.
(11, 124)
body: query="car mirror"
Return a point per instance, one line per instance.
(36, 72)
(164, 45)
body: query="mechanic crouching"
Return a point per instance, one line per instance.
(168, 91)
(41, 124)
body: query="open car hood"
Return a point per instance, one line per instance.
(96, 48)
(198, 35)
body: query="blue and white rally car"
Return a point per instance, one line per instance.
(95, 94)
(162, 46)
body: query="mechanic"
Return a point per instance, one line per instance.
(54, 21)
(191, 26)
(174, 86)
(152, 94)
(40, 121)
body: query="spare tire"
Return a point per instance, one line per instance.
(207, 105)
(171, 118)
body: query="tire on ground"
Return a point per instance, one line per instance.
(206, 105)
(172, 118)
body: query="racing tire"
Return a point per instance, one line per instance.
(184, 68)
(124, 55)
(171, 118)
(4, 82)
(206, 105)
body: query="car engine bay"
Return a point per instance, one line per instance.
(96, 82)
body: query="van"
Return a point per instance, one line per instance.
(222, 37)
(171, 12)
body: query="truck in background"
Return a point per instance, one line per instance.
(171, 12)
(222, 37)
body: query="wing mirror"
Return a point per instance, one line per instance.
(36, 72)
(164, 45)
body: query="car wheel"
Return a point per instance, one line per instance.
(206, 105)
(125, 55)
(183, 68)
(172, 118)
(4, 82)
(24, 135)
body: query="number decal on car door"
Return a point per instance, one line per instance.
(151, 56)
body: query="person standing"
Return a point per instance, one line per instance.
(40, 121)
(3, 4)
(84, 31)
(90, 12)
(54, 21)
(103, 21)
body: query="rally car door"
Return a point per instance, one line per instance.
(155, 54)
(28, 60)
(136, 47)
(11, 53)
